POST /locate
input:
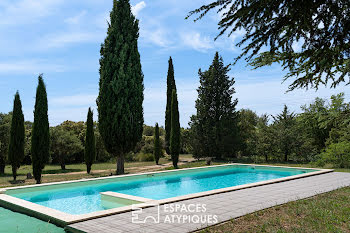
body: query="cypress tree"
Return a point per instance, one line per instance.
(175, 130)
(120, 97)
(170, 86)
(157, 150)
(215, 131)
(16, 145)
(90, 146)
(40, 147)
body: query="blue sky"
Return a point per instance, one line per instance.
(61, 39)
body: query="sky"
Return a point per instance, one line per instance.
(62, 40)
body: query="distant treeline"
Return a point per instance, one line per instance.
(320, 133)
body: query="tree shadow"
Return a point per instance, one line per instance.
(17, 181)
(58, 171)
(6, 175)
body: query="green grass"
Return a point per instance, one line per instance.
(307, 165)
(56, 169)
(200, 163)
(53, 173)
(329, 212)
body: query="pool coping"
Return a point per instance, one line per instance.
(63, 219)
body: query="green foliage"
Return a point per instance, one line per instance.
(101, 153)
(286, 133)
(147, 145)
(185, 141)
(145, 157)
(28, 127)
(148, 130)
(90, 146)
(16, 144)
(337, 154)
(170, 82)
(266, 138)
(40, 140)
(247, 124)
(317, 26)
(79, 130)
(214, 129)
(157, 147)
(311, 120)
(121, 84)
(64, 145)
(175, 130)
(5, 126)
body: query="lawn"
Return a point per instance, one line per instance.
(53, 173)
(329, 212)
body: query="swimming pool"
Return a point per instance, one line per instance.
(87, 197)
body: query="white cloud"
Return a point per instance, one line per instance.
(157, 37)
(195, 41)
(29, 67)
(74, 20)
(27, 11)
(75, 100)
(270, 95)
(297, 45)
(155, 101)
(67, 38)
(138, 7)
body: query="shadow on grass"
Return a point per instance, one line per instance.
(6, 175)
(17, 181)
(59, 171)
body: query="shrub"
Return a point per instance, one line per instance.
(145, 157)
(147, 147)
(337, 154)
(130, 157)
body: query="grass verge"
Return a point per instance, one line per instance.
(329, 212)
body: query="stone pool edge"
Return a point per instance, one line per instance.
(63, 219)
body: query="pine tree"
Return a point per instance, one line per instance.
(5, 126)
(214, 127)
(175, 130)
(157, 150)
(120, 97)
(287, 135)
(271, 27)
(170, 86)
(16, 145)
(40, 146)
(90, 146)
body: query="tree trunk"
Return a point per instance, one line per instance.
(175, 161)
(63, 166)
(266, 158)
(286, 157)
(14, 173)
(2, 169)
(120, 164)
(88, 168)
(38, 181)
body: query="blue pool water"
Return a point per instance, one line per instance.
(84, 197)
